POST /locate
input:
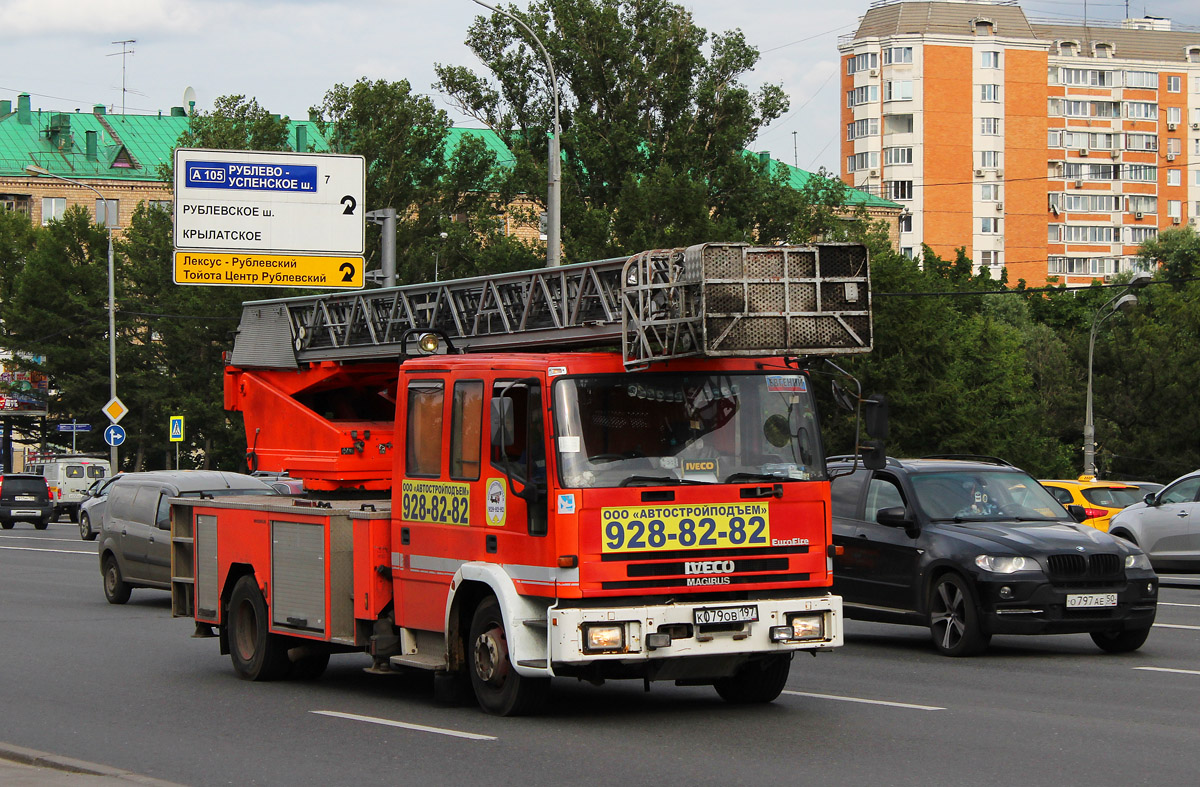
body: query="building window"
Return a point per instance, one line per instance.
(862, 95)
(1143, 203)
(865, 160)
(898, 189)
(1141, 110)
(1085, 76)
(1090, 233)
(990, 192)
(1174, 146)
(898, 124)
(989, 259)
(906, 222)
(989, 225)
(1174, 84)
(1139, 235)
(897, 155)
(1068, 48)
(1141, 142)
(1175, 115)
(1174, 209)
(867, 127)
(1054, 233)
(990, 59)
(161, 204)
(989, 159)
(1173, 177)
(1146, 79)
(989, 92)
(897, 54)
(53, 208)
(1102, 50)
(862, 62)
(897, 90)
(1140, 173)
(989, 127)
(907, 251)
(108, 213)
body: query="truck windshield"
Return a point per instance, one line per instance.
(664, 429)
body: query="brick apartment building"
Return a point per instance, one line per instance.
(1051, 149)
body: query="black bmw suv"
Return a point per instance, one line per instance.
(972, 548)
(25, 497)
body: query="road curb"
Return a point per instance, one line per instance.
(41, 759)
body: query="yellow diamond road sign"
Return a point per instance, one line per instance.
(115, 409)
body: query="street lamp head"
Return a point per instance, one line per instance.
(1140, 279)
(34, 169)
(1125, 303)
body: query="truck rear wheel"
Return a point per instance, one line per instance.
(757, 682)
(499, 689)
(256, 653)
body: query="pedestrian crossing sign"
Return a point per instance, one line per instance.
(177, 429)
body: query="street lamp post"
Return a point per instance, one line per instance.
(112, 313)
(1122, 301)
(554, 177)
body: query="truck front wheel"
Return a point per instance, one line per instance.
(758, 681)
(498, 687)
(256, 653)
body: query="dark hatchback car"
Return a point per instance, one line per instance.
(975, 548)
(25, 497)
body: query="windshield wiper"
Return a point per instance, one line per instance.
(649, 480)
(738, 478)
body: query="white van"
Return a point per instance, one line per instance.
(69, 476)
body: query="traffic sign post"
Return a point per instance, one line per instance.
(279, 211)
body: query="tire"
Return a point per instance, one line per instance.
(499, 690)
(41, 524)
(256, 653)
(954, 618)
(85, 528)
(310, 666)
(757, 682)
(6, 525)
(73, 514)
(116, 590)
(1120, 641)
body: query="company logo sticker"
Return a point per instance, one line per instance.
(566, 504)
(496, 508)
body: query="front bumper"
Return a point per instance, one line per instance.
(685, 638)
(1038, 607)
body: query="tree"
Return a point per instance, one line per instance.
(436, 184)
(1178, 250)
(655, 118)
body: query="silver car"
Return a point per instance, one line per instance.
(1166, 525)
(135, 536)
(91, 510)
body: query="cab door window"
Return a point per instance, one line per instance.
(882, 493)
(466, 425)
(423, 441)
(524, 460)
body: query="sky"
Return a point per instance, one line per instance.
(67, 53)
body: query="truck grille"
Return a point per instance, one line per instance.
(1100, 569)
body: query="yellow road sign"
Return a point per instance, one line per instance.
(115, 409)
(177, 429)
(232, 269)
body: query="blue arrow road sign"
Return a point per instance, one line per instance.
(114, 435)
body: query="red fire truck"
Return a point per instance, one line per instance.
(498, 500)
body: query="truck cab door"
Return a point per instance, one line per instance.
(518, 450)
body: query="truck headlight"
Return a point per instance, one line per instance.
(603, 638)
(800, 628)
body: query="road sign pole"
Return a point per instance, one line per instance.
(72, 435)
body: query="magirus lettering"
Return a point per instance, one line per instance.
(708, 567)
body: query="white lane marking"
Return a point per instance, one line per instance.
(1176, 626)
(62, 551)
(1175, 604)
(37, 538)
(405, 725)
(1165, 669)
(859, 699)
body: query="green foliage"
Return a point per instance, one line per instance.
(235, 123)
(1177, 249)
(655, 121)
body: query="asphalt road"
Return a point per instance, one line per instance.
(128, 688)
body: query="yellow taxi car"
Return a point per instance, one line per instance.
(1100, 499)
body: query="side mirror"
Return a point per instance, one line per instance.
(503, 422)
(873, 454)
(875, 416)
(1077, 512)
(1150, 499)
(895, 516)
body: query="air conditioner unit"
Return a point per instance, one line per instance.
(1175, 220)
(999, 207)
(979, 173)
(1079, 184)
(1170, 157)
(1172, 126)
(1138, 215)
(873, 173)
(874, 72)
(1116, 154)
(1083, 151)
(999, 173)
(1196, 127)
